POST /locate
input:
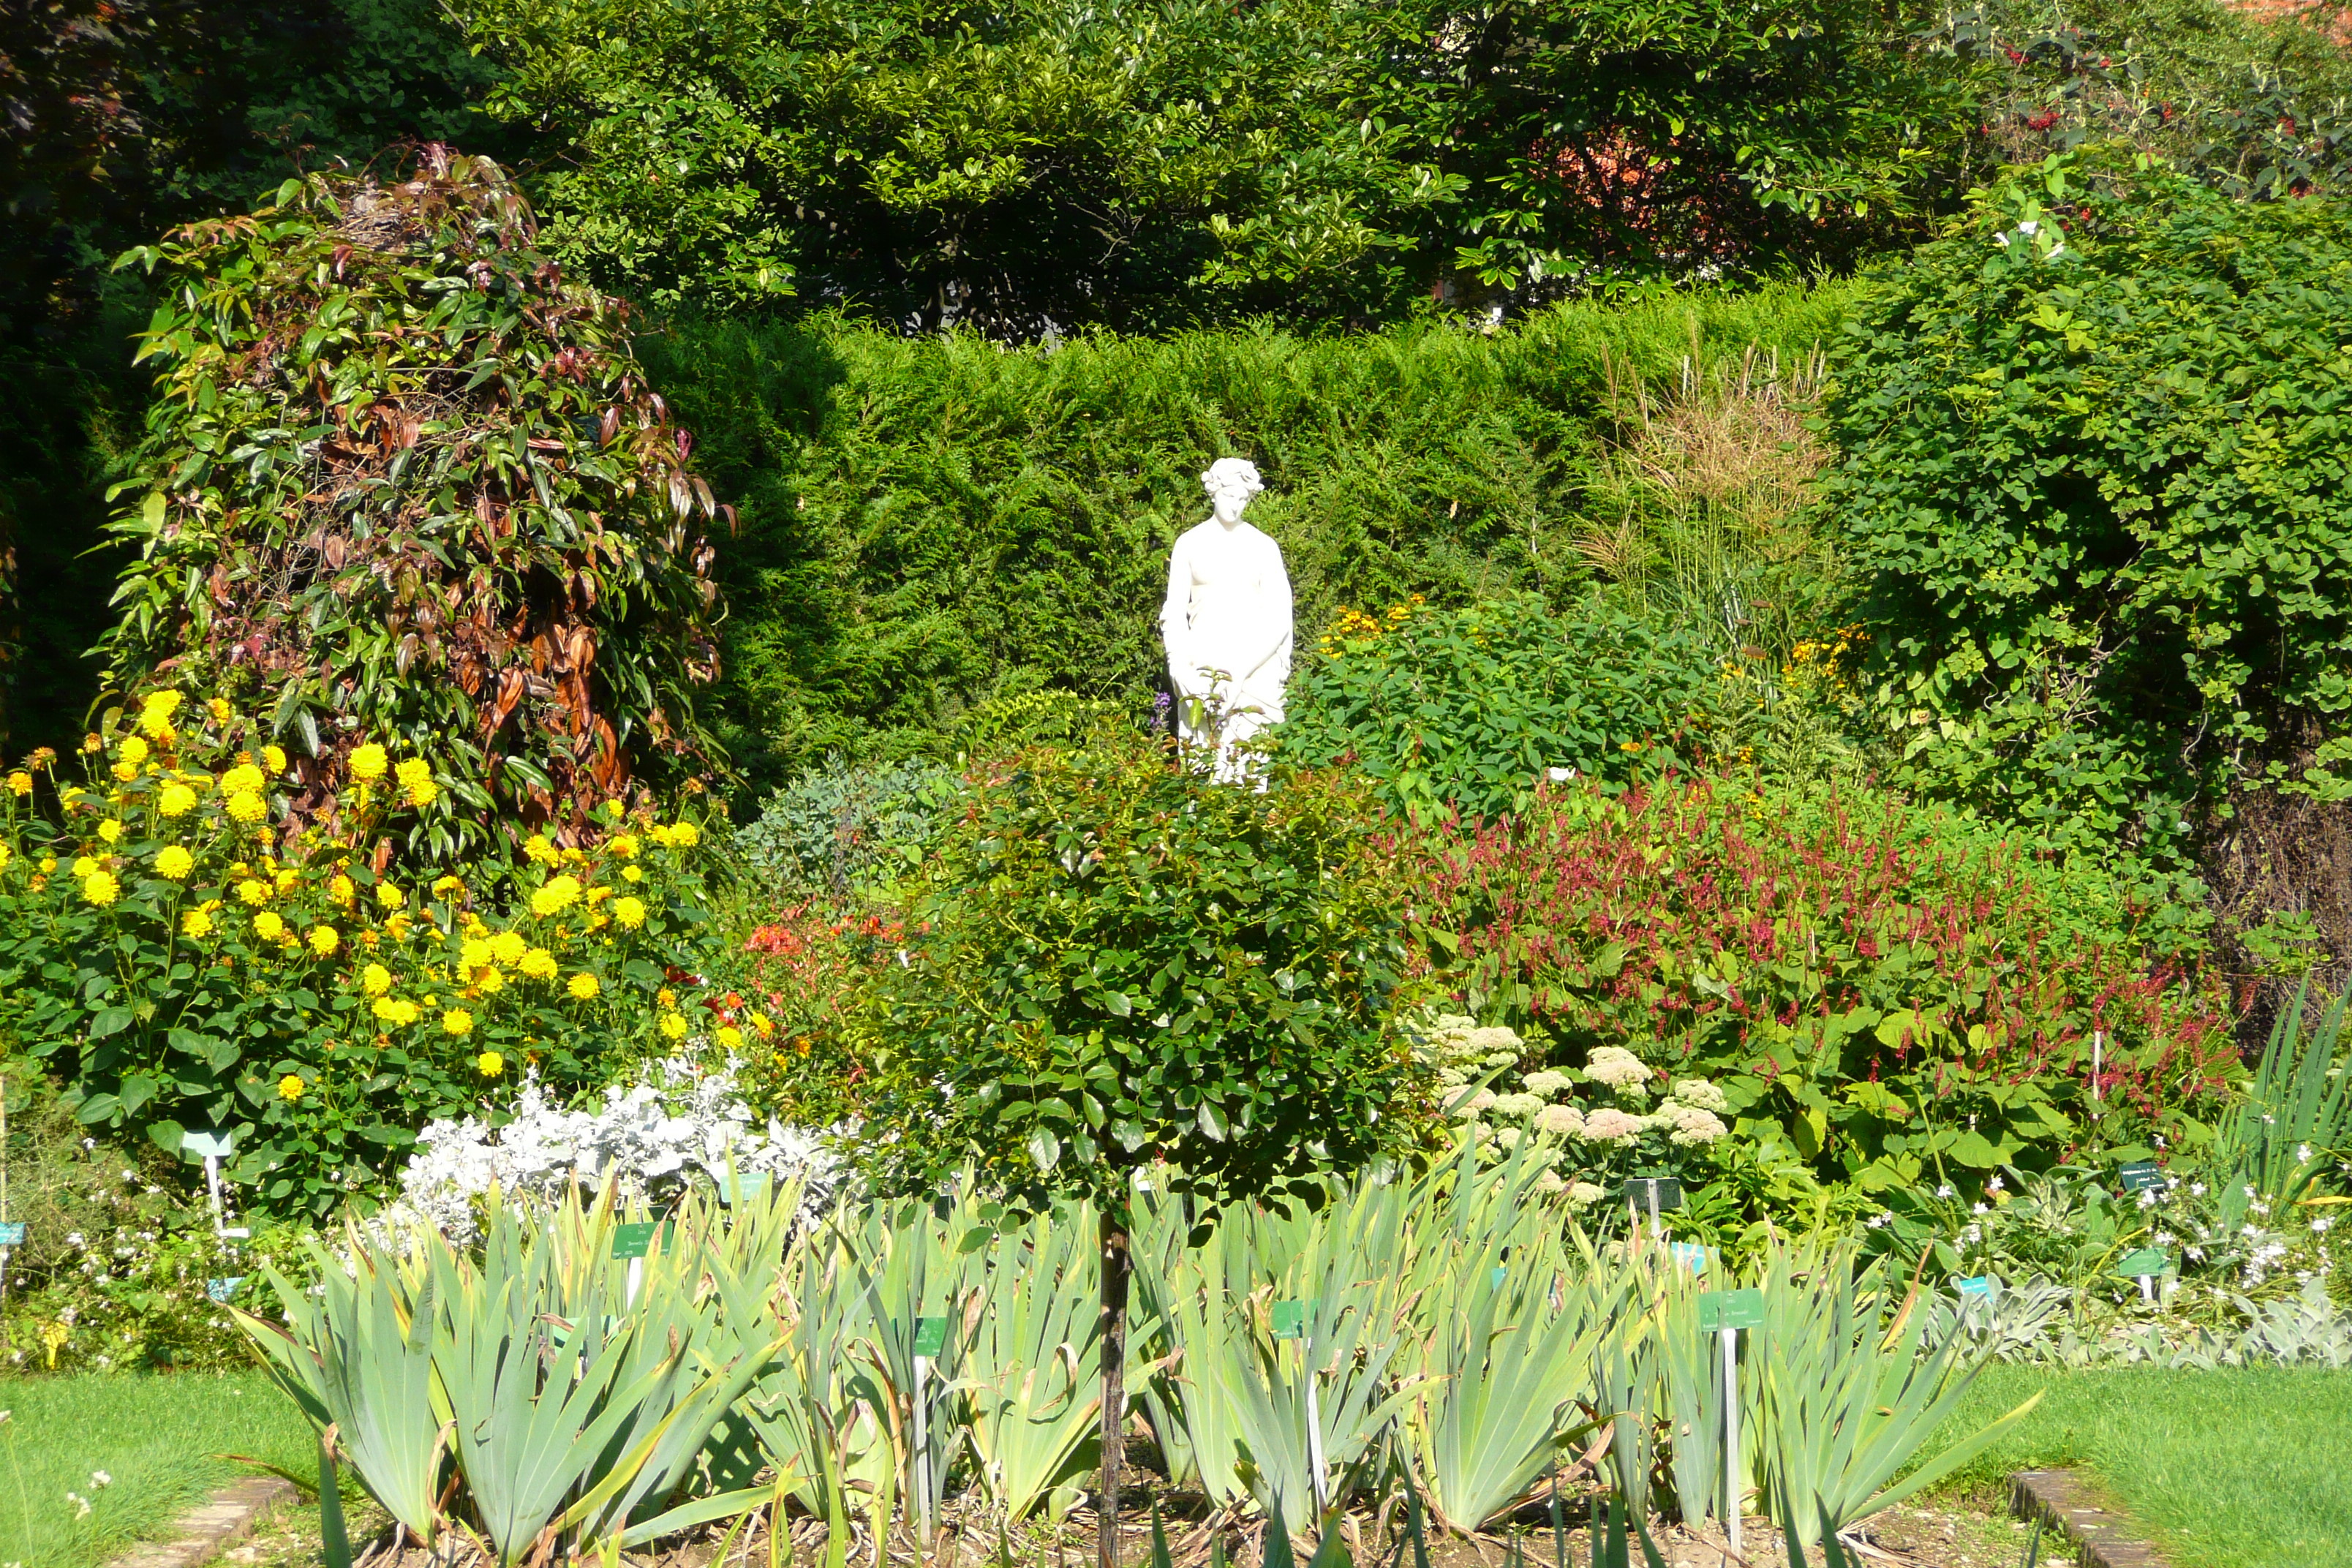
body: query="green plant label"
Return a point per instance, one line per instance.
(212, 1145)
(633, 1240)
(222, 1289)
(1977, 1285)
(1667, 1190)
(2147, 1261)
(1720, 1310)
(743, 1189)
(1289, 1319)
(930, 1337)
(2139, 1176)
(12, 1233)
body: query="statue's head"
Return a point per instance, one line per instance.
(1230, 482)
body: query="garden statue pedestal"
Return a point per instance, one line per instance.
(1226, 621)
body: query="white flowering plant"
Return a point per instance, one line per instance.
(680, 1123)
(1593, 1125)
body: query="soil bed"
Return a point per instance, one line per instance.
(1949, 1536)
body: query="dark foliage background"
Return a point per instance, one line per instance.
(119, 119)
(1147, 166)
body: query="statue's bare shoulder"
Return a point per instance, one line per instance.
(1193, 537)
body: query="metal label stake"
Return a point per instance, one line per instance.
(1290, 1323)
(631, 1242)
(216, 1147)
(1730, 1338)
(1724, 1313)
(1661, 1192)
(2144, 1265)
(930, 1339)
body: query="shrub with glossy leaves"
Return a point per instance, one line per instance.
(2094, 476)
(404, 483)
(1119, 959)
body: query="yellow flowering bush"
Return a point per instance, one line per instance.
(181, 956)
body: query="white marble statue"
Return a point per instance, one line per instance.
(1226, 622)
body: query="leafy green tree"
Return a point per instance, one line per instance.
(401, 481)
(1053, 162)
(1123, 966)
(2093, 475)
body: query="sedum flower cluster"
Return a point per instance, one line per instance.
(677, 1122)
(1586, 1145)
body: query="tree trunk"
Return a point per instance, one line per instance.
(1116, 1265)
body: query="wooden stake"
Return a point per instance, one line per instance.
(1115, 1266)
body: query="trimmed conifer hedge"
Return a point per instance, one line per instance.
(928, 524)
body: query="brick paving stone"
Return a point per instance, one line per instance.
(2104, 1536)
(205, 1531)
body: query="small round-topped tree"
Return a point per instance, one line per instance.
(1123, 966)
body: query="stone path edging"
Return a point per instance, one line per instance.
(204, 1532)
(2101, 1536)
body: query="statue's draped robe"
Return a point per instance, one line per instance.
(1226, 624)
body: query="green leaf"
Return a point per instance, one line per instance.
(1973, 1149)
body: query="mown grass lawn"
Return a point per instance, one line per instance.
(2248, 1468)
(154, 1437)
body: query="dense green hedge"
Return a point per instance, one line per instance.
(929, 523)
(2092, 474)
(1470, 708)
